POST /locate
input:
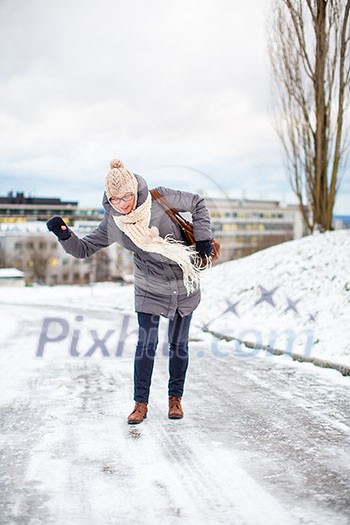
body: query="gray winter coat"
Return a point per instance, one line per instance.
(159, 287)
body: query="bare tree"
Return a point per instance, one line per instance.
(309, 54)
(103, 261)
(32, 259)
(3, 258)
(37, 264)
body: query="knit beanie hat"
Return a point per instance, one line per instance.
(120, 180)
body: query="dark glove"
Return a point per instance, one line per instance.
(54, 225)
(204, 248)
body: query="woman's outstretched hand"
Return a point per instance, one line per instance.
(204, 248)
(57, 225)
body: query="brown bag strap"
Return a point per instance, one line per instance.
(185, 225)
(169, 210)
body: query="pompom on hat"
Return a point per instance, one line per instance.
(120, 180)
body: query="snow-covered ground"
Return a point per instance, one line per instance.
(265, 440)
(294, 296)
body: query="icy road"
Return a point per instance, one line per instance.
(264, 440)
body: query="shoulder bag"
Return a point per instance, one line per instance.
(186, 226)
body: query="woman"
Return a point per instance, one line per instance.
(166, 276)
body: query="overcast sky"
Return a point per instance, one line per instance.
(179, 90)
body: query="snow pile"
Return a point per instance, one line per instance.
(294, 296)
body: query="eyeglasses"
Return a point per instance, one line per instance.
(126, 198)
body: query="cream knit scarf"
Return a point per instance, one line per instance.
(136, 226)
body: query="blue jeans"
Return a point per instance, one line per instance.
(146, 349)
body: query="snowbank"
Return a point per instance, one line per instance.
(294, 296)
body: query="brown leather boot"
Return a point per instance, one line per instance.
(138, 414)
(175, 408)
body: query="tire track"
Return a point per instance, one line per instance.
(191, 469)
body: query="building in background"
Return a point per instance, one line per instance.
(31, 248)
(243, 226)
(341, 222)
(18, 208)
